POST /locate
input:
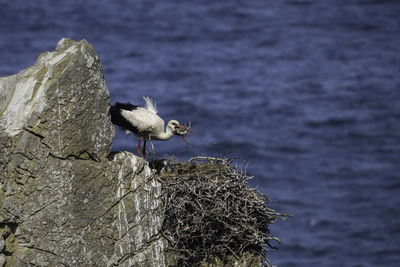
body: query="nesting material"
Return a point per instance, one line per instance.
(210, 212)
(182, 131)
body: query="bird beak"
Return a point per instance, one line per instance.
(184, 128)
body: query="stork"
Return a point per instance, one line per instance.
(145, 123)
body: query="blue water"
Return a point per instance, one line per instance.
(307, 92)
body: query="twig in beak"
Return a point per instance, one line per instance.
(184, 138)
(182, 130)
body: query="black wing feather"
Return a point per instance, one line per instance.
(118, 119)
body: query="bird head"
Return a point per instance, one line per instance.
(178, 129)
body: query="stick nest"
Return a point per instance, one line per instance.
(210, 212)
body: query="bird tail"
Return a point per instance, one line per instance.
(150, 105)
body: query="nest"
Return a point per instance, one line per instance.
(211, 213)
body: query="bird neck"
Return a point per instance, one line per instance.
(164, 135)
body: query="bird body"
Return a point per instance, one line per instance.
(143, 122)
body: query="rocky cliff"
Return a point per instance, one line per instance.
(63, 200)
(66, 201)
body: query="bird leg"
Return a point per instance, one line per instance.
(144, 149)
(138, 147)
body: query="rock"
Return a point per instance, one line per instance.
(2, 260)
(63, 201)
(2, 244)
(62, 100)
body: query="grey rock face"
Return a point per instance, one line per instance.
(62, 99)
(63, 202)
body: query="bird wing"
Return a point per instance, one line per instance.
(144, 120)
(150, 105)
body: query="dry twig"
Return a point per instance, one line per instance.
(210, 212)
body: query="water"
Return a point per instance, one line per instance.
(306, 91)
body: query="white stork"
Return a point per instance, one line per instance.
(145, 123)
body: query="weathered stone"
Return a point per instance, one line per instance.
(2, 243)
(62, 101)
(2, 260)
(63, 201)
